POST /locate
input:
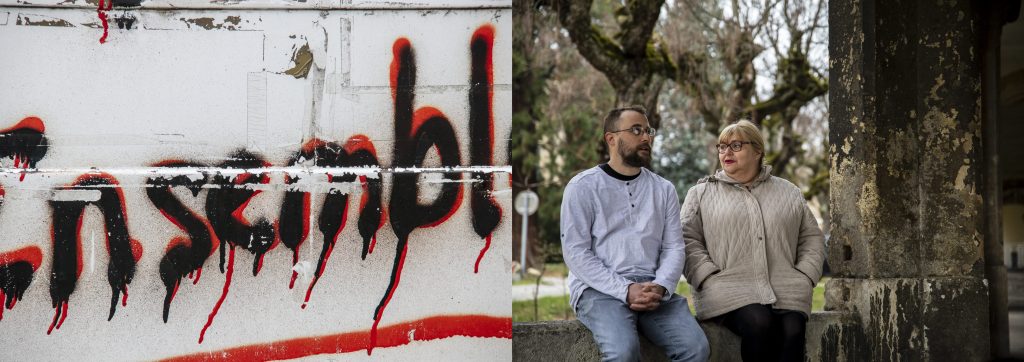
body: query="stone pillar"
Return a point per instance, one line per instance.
(906, 182)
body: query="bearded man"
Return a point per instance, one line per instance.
(623, 245)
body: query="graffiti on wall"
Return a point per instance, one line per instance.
(222, 228)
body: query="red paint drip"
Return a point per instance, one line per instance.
(17, 161)
(426, 329)
(102, 14)
(224, 294)
(14, 301)
(124, 299)
(23, 173)
(63, 316)
(476, 268)
(376, 319)
(190, 274)
(295, 260)
(56, 314)
(3, 299)
(175, 292)
(373, 242)
(199, 273)
(316, 278)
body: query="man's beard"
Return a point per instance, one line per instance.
(632, 157)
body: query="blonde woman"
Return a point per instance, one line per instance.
(753, 250)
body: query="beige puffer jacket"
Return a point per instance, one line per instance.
(750, 245)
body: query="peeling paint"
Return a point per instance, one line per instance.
(867, 206)
(961, 175)
(933, 94)
(208, 23)
(968, 142)
(303, 60)
(899, 153)
(24, 19)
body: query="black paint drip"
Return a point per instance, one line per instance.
(182, 259)
(67, 219)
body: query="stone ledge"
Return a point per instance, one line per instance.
(571, 341)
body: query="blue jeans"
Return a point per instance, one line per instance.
(616, 328)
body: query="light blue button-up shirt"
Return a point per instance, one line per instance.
(617, 230)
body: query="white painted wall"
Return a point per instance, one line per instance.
(171, 89)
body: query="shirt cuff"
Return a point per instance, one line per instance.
(668, 291)
(625, 293)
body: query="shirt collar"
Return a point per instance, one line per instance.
(611, 172)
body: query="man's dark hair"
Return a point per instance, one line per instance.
(614, 114)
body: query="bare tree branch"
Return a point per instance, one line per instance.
(638, 25)
(631, 67)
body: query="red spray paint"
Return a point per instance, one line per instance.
(426, 329)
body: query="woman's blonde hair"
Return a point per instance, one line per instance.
(747, 131)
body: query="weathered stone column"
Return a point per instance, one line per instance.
(905, 135)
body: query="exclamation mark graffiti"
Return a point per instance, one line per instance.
(486, 212)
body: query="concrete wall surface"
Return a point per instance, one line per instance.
(830, 336)
(265, 179)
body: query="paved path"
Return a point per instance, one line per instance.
(549, 286)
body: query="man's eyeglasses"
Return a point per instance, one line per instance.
(637, 130)
(735, 146)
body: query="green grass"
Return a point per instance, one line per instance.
(557, 308)
(818, 298)
(548, 309)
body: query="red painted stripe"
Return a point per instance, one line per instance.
(426, 329)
